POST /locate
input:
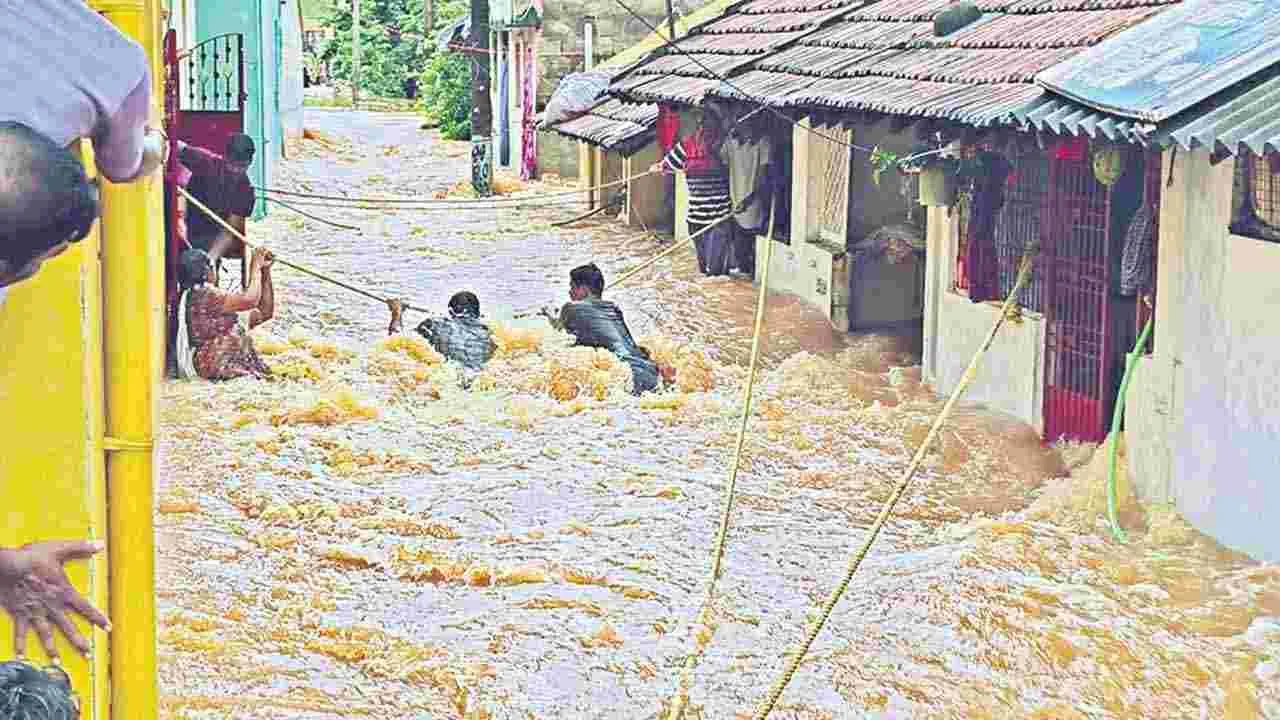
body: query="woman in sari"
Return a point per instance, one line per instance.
(213, 325)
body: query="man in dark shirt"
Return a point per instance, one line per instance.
(461, 337)
(597, 323)
(221, 182)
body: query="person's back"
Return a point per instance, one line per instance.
(460, 337)
(464, 340)
(595, 322)
(69, 74)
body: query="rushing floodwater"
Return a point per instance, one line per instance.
(363, 540)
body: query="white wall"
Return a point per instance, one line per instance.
(1011, 376)
(1203, 413)
(291, 91)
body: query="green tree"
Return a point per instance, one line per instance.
(446, 94)
(394, 51)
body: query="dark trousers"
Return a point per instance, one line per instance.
(713, 247)
(744, 249)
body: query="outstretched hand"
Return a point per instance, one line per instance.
(35, 591)
(397, 314)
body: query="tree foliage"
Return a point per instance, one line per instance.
(446, 94)
(394, 50)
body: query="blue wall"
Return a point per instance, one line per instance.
(257, 20)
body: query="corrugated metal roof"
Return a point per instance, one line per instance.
(1246, 115)
(1164, 67)
(612, 125)
(979, 105)
(695, 65)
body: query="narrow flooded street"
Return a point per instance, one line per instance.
(360, 538)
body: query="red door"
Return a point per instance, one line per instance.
(204, 106)
(1078, 303)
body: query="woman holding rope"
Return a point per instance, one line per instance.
(213, 338)
(699, 157)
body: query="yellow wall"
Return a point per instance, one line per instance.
(81, 338)
(52, 477)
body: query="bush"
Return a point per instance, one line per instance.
(446, 94)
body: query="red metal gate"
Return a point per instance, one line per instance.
(1078, 298)
(204, 106)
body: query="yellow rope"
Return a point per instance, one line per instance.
(633, 271)
(776, 693)
(302, 269)
(704, 616)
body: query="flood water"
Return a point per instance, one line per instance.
(361, 539)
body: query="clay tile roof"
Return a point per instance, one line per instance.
(883, 57)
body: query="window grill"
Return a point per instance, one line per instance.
(1077, 254)
(1256, 197)
(1020, 224)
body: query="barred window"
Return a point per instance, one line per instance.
(1255, 197)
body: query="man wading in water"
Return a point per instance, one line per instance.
(597, 323)
(460, 338)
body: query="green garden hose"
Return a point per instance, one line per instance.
(1131, 361)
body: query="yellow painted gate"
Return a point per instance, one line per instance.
(81, 352)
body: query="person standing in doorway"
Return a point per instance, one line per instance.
(698, 156)
(748, 155)
(221, 183)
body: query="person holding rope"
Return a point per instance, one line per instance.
(595, 322)
(460, 337)
(699, 157)
(221, 182)
(213, 326)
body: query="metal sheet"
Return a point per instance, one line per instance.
(1175, 60)
(1247, 116)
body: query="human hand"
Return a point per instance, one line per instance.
(655, 168)
(268, 259)
(36, 593)
(259, 257)
(397, 313)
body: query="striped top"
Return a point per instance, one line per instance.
(708, 190)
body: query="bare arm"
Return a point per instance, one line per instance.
(250, 298)
(120, 141)
(267, 303)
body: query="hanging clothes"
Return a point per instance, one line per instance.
(988, 196)
(668, 127)
(1136, 264)
(529, 130)
(747, 160)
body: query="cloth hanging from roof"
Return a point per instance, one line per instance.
(529, 129)
(1136, 264)
(668, 127)
(746, 160)
(988, 196)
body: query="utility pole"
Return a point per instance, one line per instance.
(671, 21)
(355, 54)
(481, 107)
(428, 21)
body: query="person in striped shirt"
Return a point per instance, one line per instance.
(698, 156)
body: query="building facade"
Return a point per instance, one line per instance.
(273, 68)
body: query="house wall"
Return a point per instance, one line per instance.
(250, 17)
(646, 196)
(1203, 412)
(808, 266)
(1011, 376)
(291, 92)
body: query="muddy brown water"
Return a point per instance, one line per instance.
(503, 554)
